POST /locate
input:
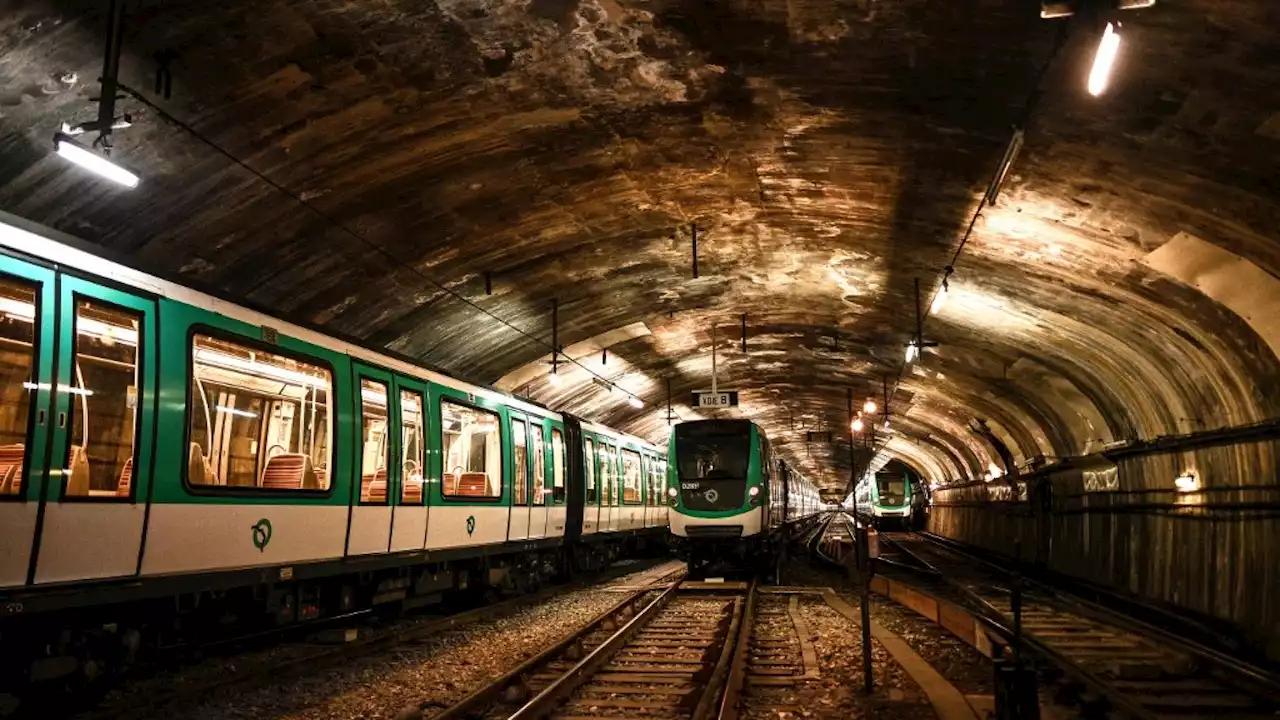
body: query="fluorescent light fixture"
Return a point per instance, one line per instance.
(238, 413)
(553, 378)
(61, 388)
(231, 362)
(636, 402)
(373, 396)
(92, 161)
(1104, 60)
(869, 407)
(1187, 482)
(912, 351)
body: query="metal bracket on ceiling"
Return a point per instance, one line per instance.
(1051, 9)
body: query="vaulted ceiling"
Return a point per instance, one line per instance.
(828, 153)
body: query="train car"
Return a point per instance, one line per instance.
(174, 466)
(892, 497)
(729, 495)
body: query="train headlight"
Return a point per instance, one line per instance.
(671, 493)
(754, 491)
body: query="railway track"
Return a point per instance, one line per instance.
(1113, 661)
(312, 657)
(695, 651)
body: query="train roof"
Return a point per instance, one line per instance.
(50, 245)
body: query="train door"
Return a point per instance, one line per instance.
(615, 489)
(518, 523)
(606, 486)
(376, 444)
(540, 495)
(100, 435)
(557, 500)
(410, 511)
(27, 312)
(591, 504)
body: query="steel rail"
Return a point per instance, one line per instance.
(1233, 665)
(737, 672)
(487, 695)
(545, 702)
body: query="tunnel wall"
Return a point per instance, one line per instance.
(1121, 523)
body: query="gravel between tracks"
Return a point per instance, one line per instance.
(837, 694)
(443, 668)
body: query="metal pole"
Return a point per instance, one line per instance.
(713, 359)
(555, 334)
(693, 229)
(668, 401)
(111, 70)
(864, 554)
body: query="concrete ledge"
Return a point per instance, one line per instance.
(956, 619)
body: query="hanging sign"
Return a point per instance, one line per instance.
(718, 399)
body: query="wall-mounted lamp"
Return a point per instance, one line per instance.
(1187, 482)
(869, 407)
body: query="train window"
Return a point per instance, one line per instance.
(17, 365)
(375, 447)
(630, 477)
(103, 412)
(606, 476)
(540, 490)
(651, 472)
(412, 448)
(520, 454)
(557, 467)
(472, 451)
(589, 458)
(615, 482)
(257, 419)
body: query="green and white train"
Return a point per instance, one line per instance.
(730, 495)
(172, 460)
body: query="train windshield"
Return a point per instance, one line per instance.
(712, 463)
(892, 489)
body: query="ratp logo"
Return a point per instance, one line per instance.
(471, 524)
(261, 534)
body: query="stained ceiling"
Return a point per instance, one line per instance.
(458, 165)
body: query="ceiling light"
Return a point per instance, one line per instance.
(1103, 60)
(1187, 482)
(912, 351)
(636, 402)
(234, 411)
(857, 425)
(553, 377)
(92, 161)
(869, 407)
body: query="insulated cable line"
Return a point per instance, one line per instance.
(396, 262)
(1033, 100)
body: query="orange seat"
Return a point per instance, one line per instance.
(473, 484)
(11, 457)
(373, 488)
(284, 472)
(412, 494)
(124, 484)
(451, 483)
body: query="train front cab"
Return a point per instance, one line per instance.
(721, 475)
